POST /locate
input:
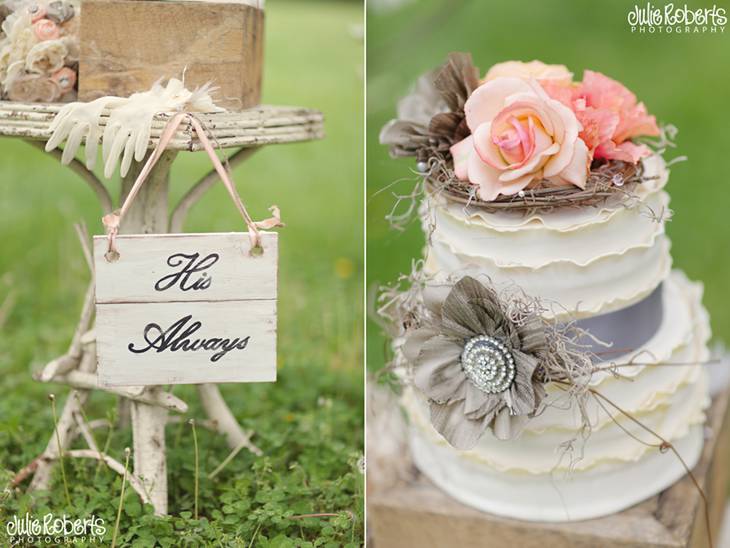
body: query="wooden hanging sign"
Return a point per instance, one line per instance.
(186, 309)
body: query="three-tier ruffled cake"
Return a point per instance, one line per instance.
(560, 267)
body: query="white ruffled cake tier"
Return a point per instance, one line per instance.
(581, 262)
(587, 260)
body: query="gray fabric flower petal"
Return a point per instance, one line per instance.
(479, 403)
(437, 371)
(456, 80)
(507, 426)
(467, 311)
(522, 393)
(434, 296)
(450, 422)
(404, 137)
(532, 336)
(423, 102)
(475, 398)
(414, 342)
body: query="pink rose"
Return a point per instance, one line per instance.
(534, 69)
(519, 136)
(609, 114)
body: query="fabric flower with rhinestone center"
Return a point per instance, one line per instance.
(475, 366)
(488, 364)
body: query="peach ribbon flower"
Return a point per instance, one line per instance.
(610, 115)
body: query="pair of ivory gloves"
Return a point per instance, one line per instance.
(128, 127)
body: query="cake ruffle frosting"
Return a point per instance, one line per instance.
(581, 263)
(588, 260)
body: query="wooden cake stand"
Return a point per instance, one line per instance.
(417, 513)
(148, 406)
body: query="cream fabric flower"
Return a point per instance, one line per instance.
(46, 57)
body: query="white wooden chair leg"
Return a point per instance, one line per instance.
(150, 456)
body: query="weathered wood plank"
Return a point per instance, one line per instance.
(237, 343)
(186, 267)
(43, 120)
(257, 112)
(253, 127)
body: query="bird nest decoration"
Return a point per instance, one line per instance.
(526, 137)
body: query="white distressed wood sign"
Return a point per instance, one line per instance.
(186, 309)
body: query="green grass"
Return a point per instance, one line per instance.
(682, 79)
(310, 422)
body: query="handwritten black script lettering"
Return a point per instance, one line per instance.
(177, 337)
(191, 264)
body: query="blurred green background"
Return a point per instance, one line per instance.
(682, 78)
(310, 423)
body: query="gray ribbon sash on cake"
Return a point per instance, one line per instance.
(626, 330)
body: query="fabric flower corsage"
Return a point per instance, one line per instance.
(522, 127)
(476, 366)
(39, 51)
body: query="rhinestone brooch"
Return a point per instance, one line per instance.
(488, 364)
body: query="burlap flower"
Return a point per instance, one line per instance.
(476, 367)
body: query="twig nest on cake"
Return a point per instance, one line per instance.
(607, 181)
(525, 138)
(476, 366)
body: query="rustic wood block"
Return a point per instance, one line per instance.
(127, 45)
(220, 261)
(186, 309)
(419, 514)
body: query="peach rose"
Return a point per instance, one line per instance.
(519, 136)
(534, 69)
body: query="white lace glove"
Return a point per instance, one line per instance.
(128, 131)
(128, 128)
(79, 122)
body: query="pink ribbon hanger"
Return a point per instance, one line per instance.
(113, 220)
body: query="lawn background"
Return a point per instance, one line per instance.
(682, 78)
(310, 422)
